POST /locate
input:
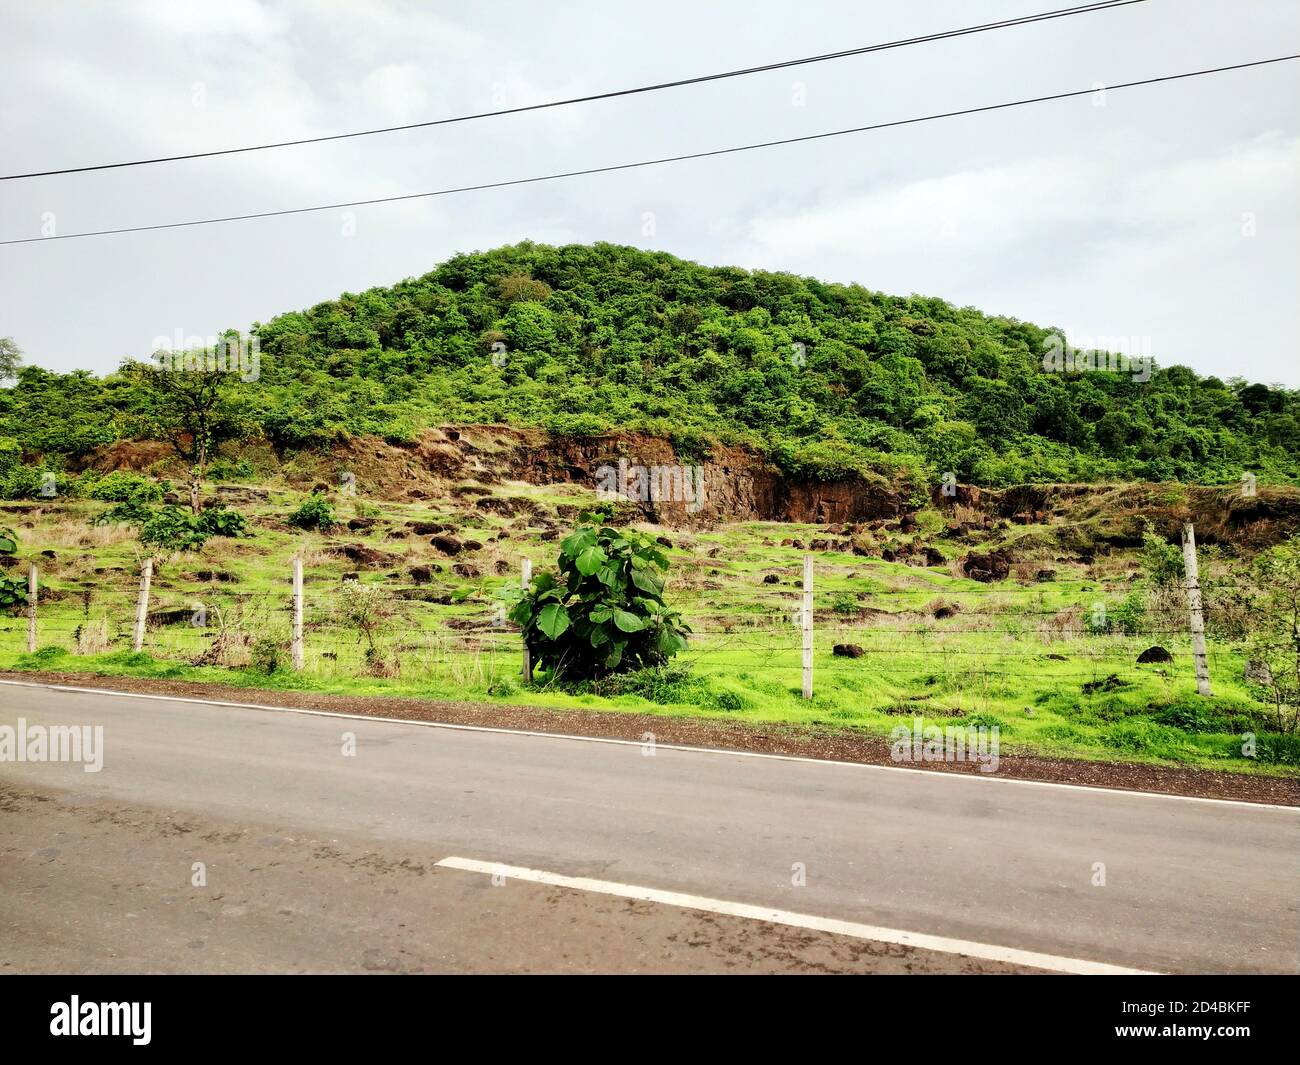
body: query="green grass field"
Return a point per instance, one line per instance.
(1014, 653)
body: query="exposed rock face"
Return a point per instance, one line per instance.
(737, 485)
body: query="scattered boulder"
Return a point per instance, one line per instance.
(934, 557)
(847, 650)
(424, 574)
(448, 545)
(663, 541)
(1257, 672)
(498, 504)
(471, 545)
(158, 618)
(1155, 654)
(993, 566)
(362, 555)
(464, 569)
(361, 524)
(1045, 575)
(426, 528)
(771, 578)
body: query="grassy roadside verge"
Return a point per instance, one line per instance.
(631, 718)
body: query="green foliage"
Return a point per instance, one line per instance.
(172, 529)
(131, 512)
(314, 513)
(1162, 562)
(1274, 644)
(267, 655)
(13, 590)
(222, 521)
(600, 337)
(227, 470)
(603, 611)
(1130, 617)
(122, 486)
(27, 482)
(844, 603)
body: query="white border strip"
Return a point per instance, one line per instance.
(990, 778)
(940, 944)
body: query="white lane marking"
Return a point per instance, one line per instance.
(921, 941)
(659, 746)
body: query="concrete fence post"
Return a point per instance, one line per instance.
(1196, 621)
(297, 645)
(806, 624)
(525, 579)
(142, 606)
(31, 607)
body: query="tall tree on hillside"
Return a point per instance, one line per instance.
(194, 405)
(11, 357)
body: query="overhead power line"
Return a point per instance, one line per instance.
(1023, 20)
(654, 162)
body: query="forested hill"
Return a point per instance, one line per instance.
(826, 378)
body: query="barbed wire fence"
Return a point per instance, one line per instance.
(361, 626)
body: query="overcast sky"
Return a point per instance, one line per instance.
(1129, 215)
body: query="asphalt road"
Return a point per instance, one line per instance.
(320, 860)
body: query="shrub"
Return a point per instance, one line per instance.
(315, 513)
(1274, 646)
(222, 521)
(226, 470)
(13, 590)
(131, 512)
(122, 486)
(173, 529)
(1277, 748)
(267, 655)
(845, 603)
(1130, 616)
(603, 612)
(28, 482)
(663, 685)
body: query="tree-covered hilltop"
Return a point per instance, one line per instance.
(825, 378)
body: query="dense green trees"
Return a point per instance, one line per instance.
(825, 378)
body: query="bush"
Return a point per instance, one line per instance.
(28, 482)
(173, 529)
(222, 521)
(122, 486)
(225, 470)
(131, 512)
(603, 612)
(13, 590)
(662, 685)
(267, 655)
(1277, 748)
(315, 513)
(844, 603)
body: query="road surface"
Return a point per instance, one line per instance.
(316, 859)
